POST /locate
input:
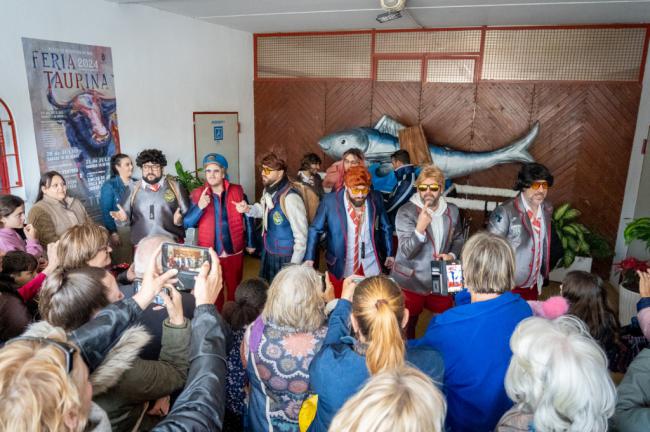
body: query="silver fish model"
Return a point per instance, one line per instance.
(379, 142)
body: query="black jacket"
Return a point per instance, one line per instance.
(201, 404)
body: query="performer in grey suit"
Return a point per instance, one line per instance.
(155, 205)
(525, 221)
(428, 228)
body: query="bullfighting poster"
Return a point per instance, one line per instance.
(72, 93)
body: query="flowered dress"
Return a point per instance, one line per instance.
(278, 370)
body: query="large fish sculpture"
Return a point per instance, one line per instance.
(379, 142)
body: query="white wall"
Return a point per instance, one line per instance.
(166, 66)
(634, 187)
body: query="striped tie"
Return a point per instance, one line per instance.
(357, 218)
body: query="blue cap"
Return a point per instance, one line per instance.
(215, 158)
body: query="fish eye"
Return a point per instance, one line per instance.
(343, 141)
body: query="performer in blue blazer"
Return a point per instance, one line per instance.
(353, 217)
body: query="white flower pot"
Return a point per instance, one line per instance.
(627, 301)
(580, 263)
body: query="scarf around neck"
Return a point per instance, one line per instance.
(437, 223)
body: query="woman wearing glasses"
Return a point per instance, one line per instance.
(428, 228)
(525, 221)
(54, 211)
(44, 382)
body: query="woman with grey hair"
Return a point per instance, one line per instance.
(473, 338)
(280, 345)
(557, 378)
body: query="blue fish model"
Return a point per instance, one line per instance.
(380, 142)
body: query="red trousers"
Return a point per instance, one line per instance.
(415, 303)
(526, 293)
(232, 269)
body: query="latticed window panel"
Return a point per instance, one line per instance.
(399, 70)
(450, 70)
(315, 56)
(587, 54)
(451, 41)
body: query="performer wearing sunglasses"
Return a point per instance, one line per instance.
(283, 215)
(356, 221)
(428, 228)
(525, 221)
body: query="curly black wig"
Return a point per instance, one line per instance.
(530, 173)
(151, 155)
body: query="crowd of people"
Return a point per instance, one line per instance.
(96, 336)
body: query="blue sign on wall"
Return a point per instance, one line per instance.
(218, 133)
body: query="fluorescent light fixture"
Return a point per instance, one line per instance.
(388, 16)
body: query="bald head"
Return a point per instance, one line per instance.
(145, 249)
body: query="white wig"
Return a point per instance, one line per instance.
(559, 373)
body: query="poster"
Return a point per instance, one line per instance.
(72, 93)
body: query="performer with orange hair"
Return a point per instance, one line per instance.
(355, 220)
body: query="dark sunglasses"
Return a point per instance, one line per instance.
(68, 350)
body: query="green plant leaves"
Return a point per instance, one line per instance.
(638, 229)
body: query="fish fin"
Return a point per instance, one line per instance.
(389, 125)
(518, 150)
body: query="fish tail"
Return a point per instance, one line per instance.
(518, 150)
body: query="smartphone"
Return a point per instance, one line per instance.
(357, 278)
(187, 260)
(454, 276)
(156, 300)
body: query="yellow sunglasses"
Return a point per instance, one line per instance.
(267, 170)
(432, 187)
(542, 184)
(359, 190)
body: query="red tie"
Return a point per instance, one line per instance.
(154, 187)
(357, 218)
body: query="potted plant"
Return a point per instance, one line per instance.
(637, 229)
(579, 244)
(628, 292)
(189, 179)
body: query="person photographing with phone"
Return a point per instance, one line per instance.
(219, 224)
(428, 228)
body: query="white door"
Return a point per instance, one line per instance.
(216, 132)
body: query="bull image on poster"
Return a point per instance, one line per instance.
(72, 94)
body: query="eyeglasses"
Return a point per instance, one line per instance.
(357, 190)
(432, 187)
(542, 184)
(266, 170)
(67, 350)
(151, 167)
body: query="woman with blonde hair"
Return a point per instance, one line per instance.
(279, 346)
(557, 378)
(45, 374)
(402, 399)
(473, 338)
(84, 245)
(375, 310)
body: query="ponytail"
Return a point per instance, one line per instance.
(385, 344)
(378, 307)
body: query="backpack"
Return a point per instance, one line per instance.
(309, 198)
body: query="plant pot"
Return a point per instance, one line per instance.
(627, 301)
(580, 263)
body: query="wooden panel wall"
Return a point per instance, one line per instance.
(586, 128)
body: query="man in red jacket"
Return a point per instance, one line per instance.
(218, 223)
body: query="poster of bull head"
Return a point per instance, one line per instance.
(72, 94)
